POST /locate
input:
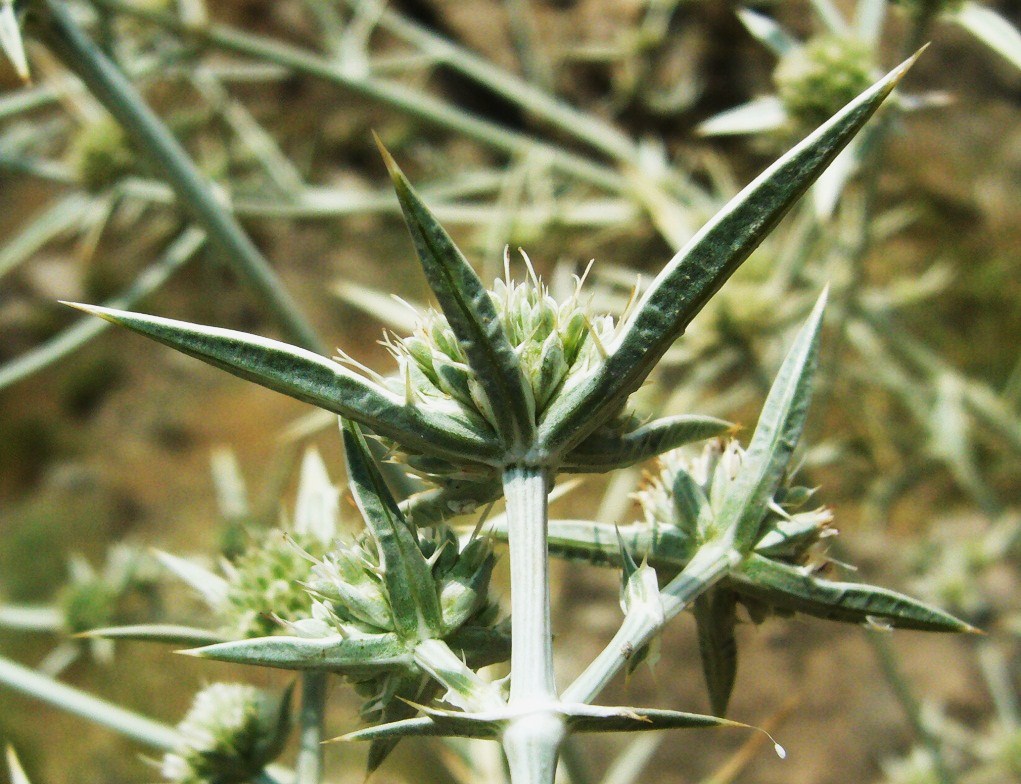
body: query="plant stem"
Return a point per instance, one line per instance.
(887, 658)
(180, 251)
(409, 100)
(309, 766)
(532, 739)
(583, 126)
(30, 618)
(69, 43)
(526, 490)
(707, 567)
(132, 725)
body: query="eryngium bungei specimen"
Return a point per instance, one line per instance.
(376, 599)
(231, 733)
(498, 420)
(731, 522)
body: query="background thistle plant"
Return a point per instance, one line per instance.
(231, 733)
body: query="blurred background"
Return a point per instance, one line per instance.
(619, 148)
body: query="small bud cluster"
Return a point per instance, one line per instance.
(351, 597)
(556, 344)
(90, 604)
(231, 732)
(673, 497)
(101, 154)
(816, 80)
(264, 584)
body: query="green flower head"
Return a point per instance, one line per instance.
(264, 584)
(686, 495)
(817, 79)
(101, 154)
(231, 732)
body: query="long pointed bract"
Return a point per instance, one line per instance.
(407, 574)
(776, 435)
(311, 378)
(471, 314)
(699, 269)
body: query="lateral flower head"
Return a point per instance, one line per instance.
(264, 584)
(814, 80)
(231, 733)
(672, 500)
(262, 588)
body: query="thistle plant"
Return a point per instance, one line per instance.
(503, 390)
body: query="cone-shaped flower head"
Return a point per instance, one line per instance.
(231, 732)
(684, 497)
(813, 81)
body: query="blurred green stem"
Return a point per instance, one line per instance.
(56, 28)
(887, 658)
(70, 340)
(411, 101)
(132, 725)
(31, 618)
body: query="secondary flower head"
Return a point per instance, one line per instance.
(231, 732)
(352, 598)
(264, 583)
(262, 588)
(687, 493)
(91, 599)
(101, 153)
(815, 80)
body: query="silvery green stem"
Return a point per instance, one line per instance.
(132, 725)
(532, 739)
(705, 569)
(526, 491)
(309, 766)
(60, 32)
